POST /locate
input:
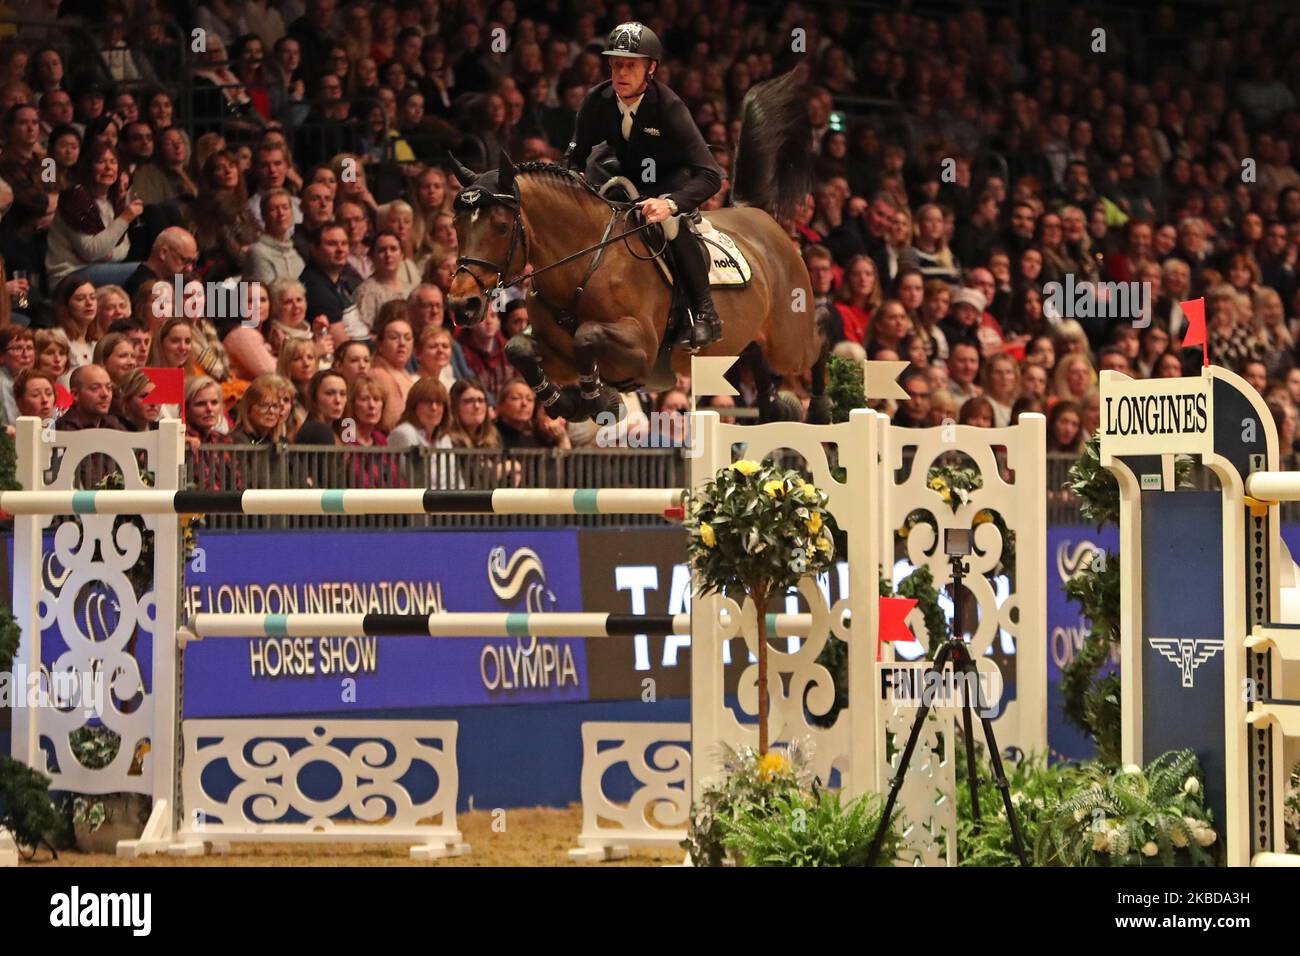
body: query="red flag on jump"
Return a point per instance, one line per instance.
(1194, 310)
(168, 387)
(893, 613)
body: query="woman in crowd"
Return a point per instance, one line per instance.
(433, 355)
(977, 411)
(65, 149)
(112, 304)
(75, 306)
(166, 178)
(366, 410)
(35, 394)
(88, 234)
(1065, 428)
(471, 426)
(390, 281)
(299, 366)
(246, 348)
(222, 224)
(929, 251)
(352, 187)
(161, 109)
(398, 218)
(326, 407)
(289, 320)
(1000, 378)
(1025, 317)
(116, 354)
(206, 424)
(53, 354)
(425, 422)
(352, 359)
(1169, 365)
(221, 102)
(273, 255)
(1074, 376)
(430, 200)
(394, 345)
(130, 403)
(258, 418)
(859, 297)
(889, 330)
(1154, 343)
(515, 406)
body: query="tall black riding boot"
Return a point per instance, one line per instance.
(692, 269)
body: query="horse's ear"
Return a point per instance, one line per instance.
(505, 173)
(463, 172)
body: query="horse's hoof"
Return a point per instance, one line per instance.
(606, 408)
(819, 411)
(568, 406)
(786, 407)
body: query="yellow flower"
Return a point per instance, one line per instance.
(774, 487)
(815, 522)
(808, 488)
(707, 535)
(771, 764)
(746, 467)
(823, 543)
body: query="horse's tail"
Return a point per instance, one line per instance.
(772, 168)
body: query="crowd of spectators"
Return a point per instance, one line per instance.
(268, 207)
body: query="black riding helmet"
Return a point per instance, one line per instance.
(636, 40)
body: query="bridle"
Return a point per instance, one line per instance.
(477, 197)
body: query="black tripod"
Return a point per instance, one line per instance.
(956, 650)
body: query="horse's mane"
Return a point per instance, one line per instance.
(557, 171)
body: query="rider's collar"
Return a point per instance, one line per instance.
(629, 107)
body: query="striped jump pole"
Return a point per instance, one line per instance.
(470, 624)
(351, 501)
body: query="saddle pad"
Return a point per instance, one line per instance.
(727, 264)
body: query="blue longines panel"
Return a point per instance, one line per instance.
(394, 572)
(1183, 640)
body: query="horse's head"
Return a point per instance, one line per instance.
(490, 237)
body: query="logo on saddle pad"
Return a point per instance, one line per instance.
(1186, 653)
(651, 131)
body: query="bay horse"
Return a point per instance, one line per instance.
(598, 306)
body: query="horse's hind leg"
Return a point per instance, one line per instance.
(772, 405)
(614, 345)
(819, 408)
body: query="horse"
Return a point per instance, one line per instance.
(598, 307)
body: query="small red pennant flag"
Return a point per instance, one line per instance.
(1194, 310)
(893, 615)
(62, 398)
(168, 387)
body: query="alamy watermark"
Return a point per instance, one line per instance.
(1090, 299)
(61, 690)
(214, 300)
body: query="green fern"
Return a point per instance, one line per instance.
(1133, 817)
(813, 829)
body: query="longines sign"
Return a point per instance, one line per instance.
(1136, 414)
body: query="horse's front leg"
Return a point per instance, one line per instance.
(529, 356)
(616, 346)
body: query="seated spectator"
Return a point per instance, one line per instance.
(1065, 428)
(915, 412)
(88, 234)
(963, 321)
(116, 354)
(427, 307)
(1025, 404)
(220, 101)
(515, 406)
(977, 411)
(963, 371)
(471, 426)
(112, 305)
(274, 256)
(35, 395)
(329, 283)
(53, 353)
(1001, 384)
(425, 422)
(92, 397)
(298, 365)
(433, 355)
(365, 412)
(220, 220)
(166, 178)
(889, 330)
(356, 221)
(353, 359)
(17, 354)
(929, 251)
(859, 297)
(289, 319)
(1074, 376)
(317, 210)
(484, 348)
(75, 306)
(398, 218)
(389, 281)
(65, 149)
(131, 404)
(327, 403)
(259, 418)
(928, 322)
(394, 345)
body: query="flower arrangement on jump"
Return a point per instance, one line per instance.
(755, 530)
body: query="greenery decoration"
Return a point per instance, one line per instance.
(813, 829)
(1152, 816)
(1036, 788)
(755, 530)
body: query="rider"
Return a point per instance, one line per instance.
(651, 132)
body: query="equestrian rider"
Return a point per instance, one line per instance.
(658, 146)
